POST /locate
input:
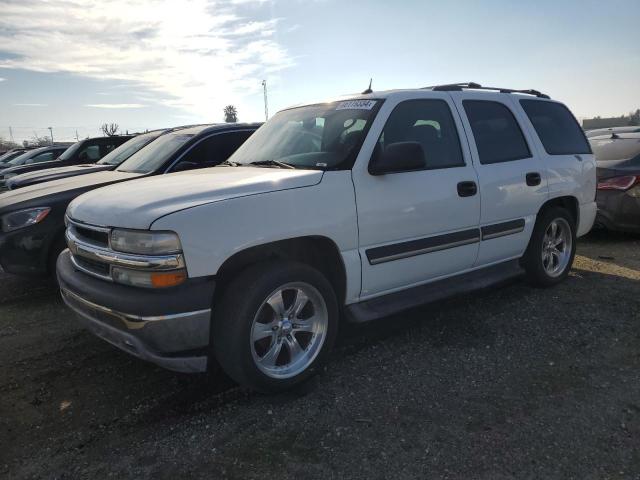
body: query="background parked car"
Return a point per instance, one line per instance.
(29, 158)
(108, 162)
(604, 131)
(618, 194)
(32, 217)
(85, 151)
(11, 154)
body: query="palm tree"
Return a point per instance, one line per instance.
(230, 114)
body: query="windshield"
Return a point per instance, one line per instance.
(152, 157)
(69, 152)
(317, 136)
(124, 151)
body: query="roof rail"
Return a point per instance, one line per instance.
(457, 87)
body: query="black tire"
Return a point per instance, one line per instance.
(532, 260)
(241, 302)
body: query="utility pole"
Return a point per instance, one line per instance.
(11, 135)
(266, 107)
(51, 132)
(77, 139)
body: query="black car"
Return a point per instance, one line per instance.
(618, 193)
(29, 158)
(108, 162)
(10, 155)
(32, 218)
(85, 151)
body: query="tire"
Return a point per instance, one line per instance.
(269, 351)
(544, 265)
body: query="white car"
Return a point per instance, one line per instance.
(348, 210)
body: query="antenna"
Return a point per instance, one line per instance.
(368, 90)
(266, 107)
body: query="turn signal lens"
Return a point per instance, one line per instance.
(618, 183)
(148, 279)
(167, 279)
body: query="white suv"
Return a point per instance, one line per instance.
(352, 209)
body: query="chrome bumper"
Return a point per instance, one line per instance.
(155, 339)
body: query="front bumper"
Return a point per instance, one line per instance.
(167, 327)
(618, 211)
(26, 251)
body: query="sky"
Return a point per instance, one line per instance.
(75, 64)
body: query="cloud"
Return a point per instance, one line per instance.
(115, 105)
(30, 105)
(198, 55)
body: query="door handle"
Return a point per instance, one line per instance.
(467, 189)
(533, 179)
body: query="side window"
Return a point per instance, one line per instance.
(215, 149)
(43, 157)
(496, 132)
(108, 146)
(430, 123)
(557, 128)
(93, 152)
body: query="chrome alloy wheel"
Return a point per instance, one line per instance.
(556, 247)
(289, 330)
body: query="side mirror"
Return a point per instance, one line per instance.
(397, 157)
(184, 166)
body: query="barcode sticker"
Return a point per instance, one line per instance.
(356, 105)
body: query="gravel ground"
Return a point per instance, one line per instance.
(505, 383)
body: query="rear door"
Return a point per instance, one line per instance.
(563, 148)
(512, 178)
(417, 226)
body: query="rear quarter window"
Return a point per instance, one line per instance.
(556, 127)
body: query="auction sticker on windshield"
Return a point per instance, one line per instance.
(356, 105)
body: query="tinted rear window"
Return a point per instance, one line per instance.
(557, 128)
(496, 132)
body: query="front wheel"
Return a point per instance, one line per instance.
(552, 247)
(275, 325)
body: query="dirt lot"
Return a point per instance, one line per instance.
(514, 382)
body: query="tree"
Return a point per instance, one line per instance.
(230, 114)
(7, 144)
(109, 129)
(634, 118)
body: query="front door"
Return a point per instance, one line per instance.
(417, 226)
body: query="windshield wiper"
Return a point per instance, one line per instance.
(275, 163)
(230, 163)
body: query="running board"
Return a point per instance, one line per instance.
(396, 302)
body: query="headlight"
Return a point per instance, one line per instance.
(145, 242)
(23, 218)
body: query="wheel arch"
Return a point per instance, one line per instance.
(319, 252)
(568, 202)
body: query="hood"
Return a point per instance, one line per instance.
(34, 195)
(29, 167)
(138, 204)
(55, 173)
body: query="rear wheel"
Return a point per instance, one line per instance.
(275, 325)
(552, 248)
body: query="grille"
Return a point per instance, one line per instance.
(93, 266)
(92, 236)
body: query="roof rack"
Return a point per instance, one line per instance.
(457, 87)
